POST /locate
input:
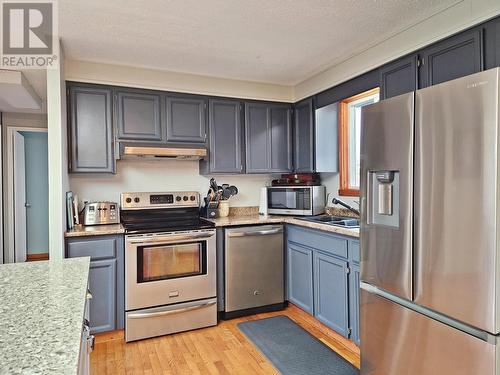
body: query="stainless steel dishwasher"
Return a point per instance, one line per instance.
(254, 269)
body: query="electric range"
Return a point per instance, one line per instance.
(170, 264)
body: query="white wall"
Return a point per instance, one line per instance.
(164, 175)
(58, 157)
(332, 183)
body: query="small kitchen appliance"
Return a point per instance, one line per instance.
(170, 264)
(99, 213)
(296, 200)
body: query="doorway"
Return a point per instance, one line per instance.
(27, 192)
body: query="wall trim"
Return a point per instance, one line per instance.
(121, 75)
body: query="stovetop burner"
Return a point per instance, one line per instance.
(167, 226)
(161, 212)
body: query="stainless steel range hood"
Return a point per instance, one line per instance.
(159, 152)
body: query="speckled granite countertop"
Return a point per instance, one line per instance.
(41, 314)
(95, 230)
(270, 219)
(231, 220)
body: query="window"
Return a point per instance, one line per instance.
(350, 139)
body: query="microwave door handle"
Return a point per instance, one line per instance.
(168, 239)
(169, 312)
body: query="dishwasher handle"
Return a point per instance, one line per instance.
(263, 232)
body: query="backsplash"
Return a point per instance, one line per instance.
(164, 175)
(170, 175)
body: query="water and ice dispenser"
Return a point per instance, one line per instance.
(383, 198)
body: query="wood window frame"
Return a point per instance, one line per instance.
(344, 189)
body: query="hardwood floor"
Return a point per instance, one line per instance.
(216, 350)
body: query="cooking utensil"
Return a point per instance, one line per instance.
(213, 184)
(233, 189)
(226, 194)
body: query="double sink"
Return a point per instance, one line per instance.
(339, 221)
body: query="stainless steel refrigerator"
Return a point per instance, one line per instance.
(430, 231)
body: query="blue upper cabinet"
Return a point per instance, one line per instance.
(138, 116)
(257, 142)
(452, 58)
(225, 128)
(268, 138)
(399, 77)
(303, 136)
(186, 119)
(492, 44)
(90, 129)
(281, 137)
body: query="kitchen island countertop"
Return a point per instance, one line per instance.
(41, 315)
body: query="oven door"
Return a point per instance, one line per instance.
(289, 200)
(163, 269)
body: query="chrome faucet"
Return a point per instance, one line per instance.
(344, 204)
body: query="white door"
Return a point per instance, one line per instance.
(19, 198)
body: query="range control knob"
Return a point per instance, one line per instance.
(178, 198)
(185, 198)
(192, 197)
(128, 200)
(137, 200)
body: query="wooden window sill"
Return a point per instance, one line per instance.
(349, 192)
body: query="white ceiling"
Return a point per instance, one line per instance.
(275, 41)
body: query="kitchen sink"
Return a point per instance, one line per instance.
(340, 221)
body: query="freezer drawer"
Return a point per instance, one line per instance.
(254, 267)
(456, 200)
(387, 194)
(164, 320)
(396, 340)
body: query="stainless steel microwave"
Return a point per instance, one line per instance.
(296, 200)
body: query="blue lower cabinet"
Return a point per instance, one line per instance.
(106, 279)
(102, 283)
(323, 277)
(354, 303)
(300, 278)
(331, 292)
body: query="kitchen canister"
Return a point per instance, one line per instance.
(223, 208)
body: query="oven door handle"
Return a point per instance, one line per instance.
(170, 312)
(166, 240)
(255, 233)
